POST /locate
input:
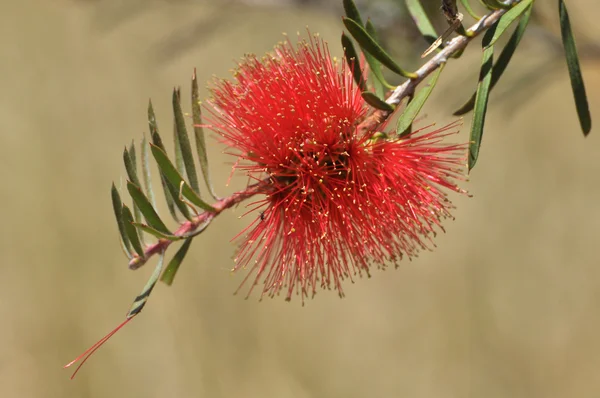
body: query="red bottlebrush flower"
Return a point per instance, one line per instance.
(337, 201)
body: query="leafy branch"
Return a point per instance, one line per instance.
(181, 181)
(184, 197)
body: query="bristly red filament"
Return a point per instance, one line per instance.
(90, 351)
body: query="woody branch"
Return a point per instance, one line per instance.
(200, 222)
(453, 47)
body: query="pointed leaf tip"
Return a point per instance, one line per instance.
(352, 11)
(199, 136)
(376, 102)
(353, 62)
(368, 43)
(481, 98)
(577, 85)
(169, 275)
(142, 298)
(183, 141)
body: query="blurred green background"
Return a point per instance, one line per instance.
(506, 306)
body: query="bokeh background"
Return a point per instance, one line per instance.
(506, 306)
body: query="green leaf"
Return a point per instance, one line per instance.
(508, 18)
(146, 172)
(158, 142)
(369, 44)
(494, 4)
(376, 102)
(175, 179)
(142, 298)
(184, 142)
(171, 192)
(155, 232)
(131, 231)
(173, 266)
(583, 110)
(422, 21)
(117, 208)
(470, 11)
(353, 62)
(146, 208)
(481, 98)
(414, 107)
(503, 60)
(352, 11)
(199, 135)
(377, 78)
(178, 154)
(132, 155)
(131, 167)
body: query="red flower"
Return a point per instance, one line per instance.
(336, 201)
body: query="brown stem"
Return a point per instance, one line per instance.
(454, 46)
(200, 221)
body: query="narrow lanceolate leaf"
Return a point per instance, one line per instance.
(503, 59)
(184, 142)
(583, 110)
(171, 191)
(131, 167)
(376, 102)
(370, 45)
(508, 18)
(352, 11)
(156, 233)
(146, 172)
(379, 82)
(178, 155)
(353, 62)
(481, 98)
(141, 300)
(199, 136)
(117, 208)
(414, 107)
(470, 11)
(175, 179)
(155, 137)
(133, 156)
(173, 266)
(131, 231)
(146, 208)
(421, 20)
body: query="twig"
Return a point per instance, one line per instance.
(407, 88)
(200, 221)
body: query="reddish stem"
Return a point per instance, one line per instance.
(200, 220)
